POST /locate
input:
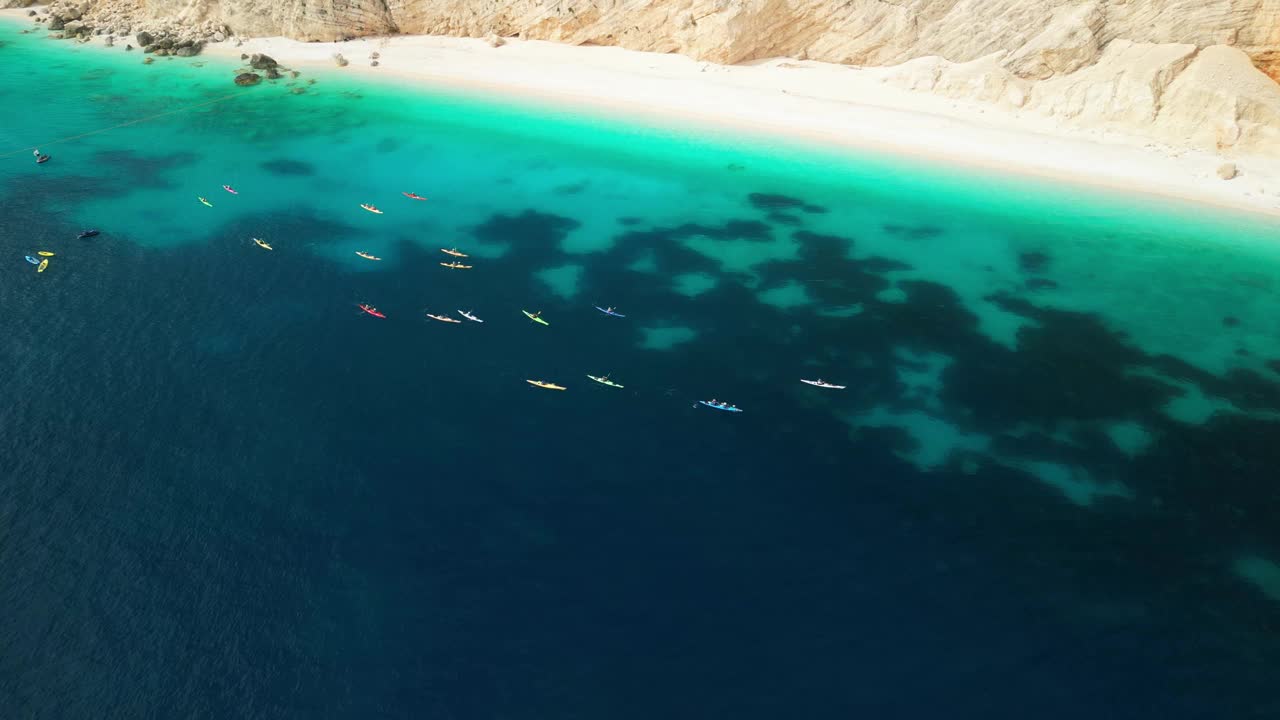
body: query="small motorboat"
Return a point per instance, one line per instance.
(371, 209)
(456, 266)
(720, 405)
(367, 256)
(545, 384)
(444, 318)
(87, 234)
(821, 384)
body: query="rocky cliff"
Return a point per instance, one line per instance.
(1196, 71)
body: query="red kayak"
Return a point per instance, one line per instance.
(372, 311)
(413, 196)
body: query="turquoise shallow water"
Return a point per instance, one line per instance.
(1051, 473)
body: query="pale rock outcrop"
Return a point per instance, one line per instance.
(1124, 87)
(984, 79)
(1222, 100)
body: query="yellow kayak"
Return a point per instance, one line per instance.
(45, 253)
(43, 264)
(534, 317)
(206, 202)
(544, 384)
(604, 380)
(263, 245)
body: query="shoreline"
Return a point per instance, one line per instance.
(817, 103)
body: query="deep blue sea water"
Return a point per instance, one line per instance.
(1049, 490)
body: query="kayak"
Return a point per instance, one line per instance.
(609, 311)
(372, 311)
(443, 318)
(819, 383)
(367, 256)
(604, 380)
(456, 266)
(454, 252)
(720, 406)
(371, 209)
(230, 189)
(470, 317)
(413, 196)
(206, 202)
(32, 260)
(263, 245)
(534, 317)
(544, 384)
(43, 264)
(45, 253)
(87, 234)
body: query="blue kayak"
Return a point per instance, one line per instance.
(32, 260)
(609, 311)
(721, 406)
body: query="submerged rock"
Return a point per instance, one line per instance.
(273, 74)
(148, 60)
(247, 79)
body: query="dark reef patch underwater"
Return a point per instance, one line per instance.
(1049, 490)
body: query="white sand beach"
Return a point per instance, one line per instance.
(820, 102)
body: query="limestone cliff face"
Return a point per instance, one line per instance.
(1121, 62)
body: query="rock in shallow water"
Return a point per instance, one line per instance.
(247, 79)
(259, 61)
